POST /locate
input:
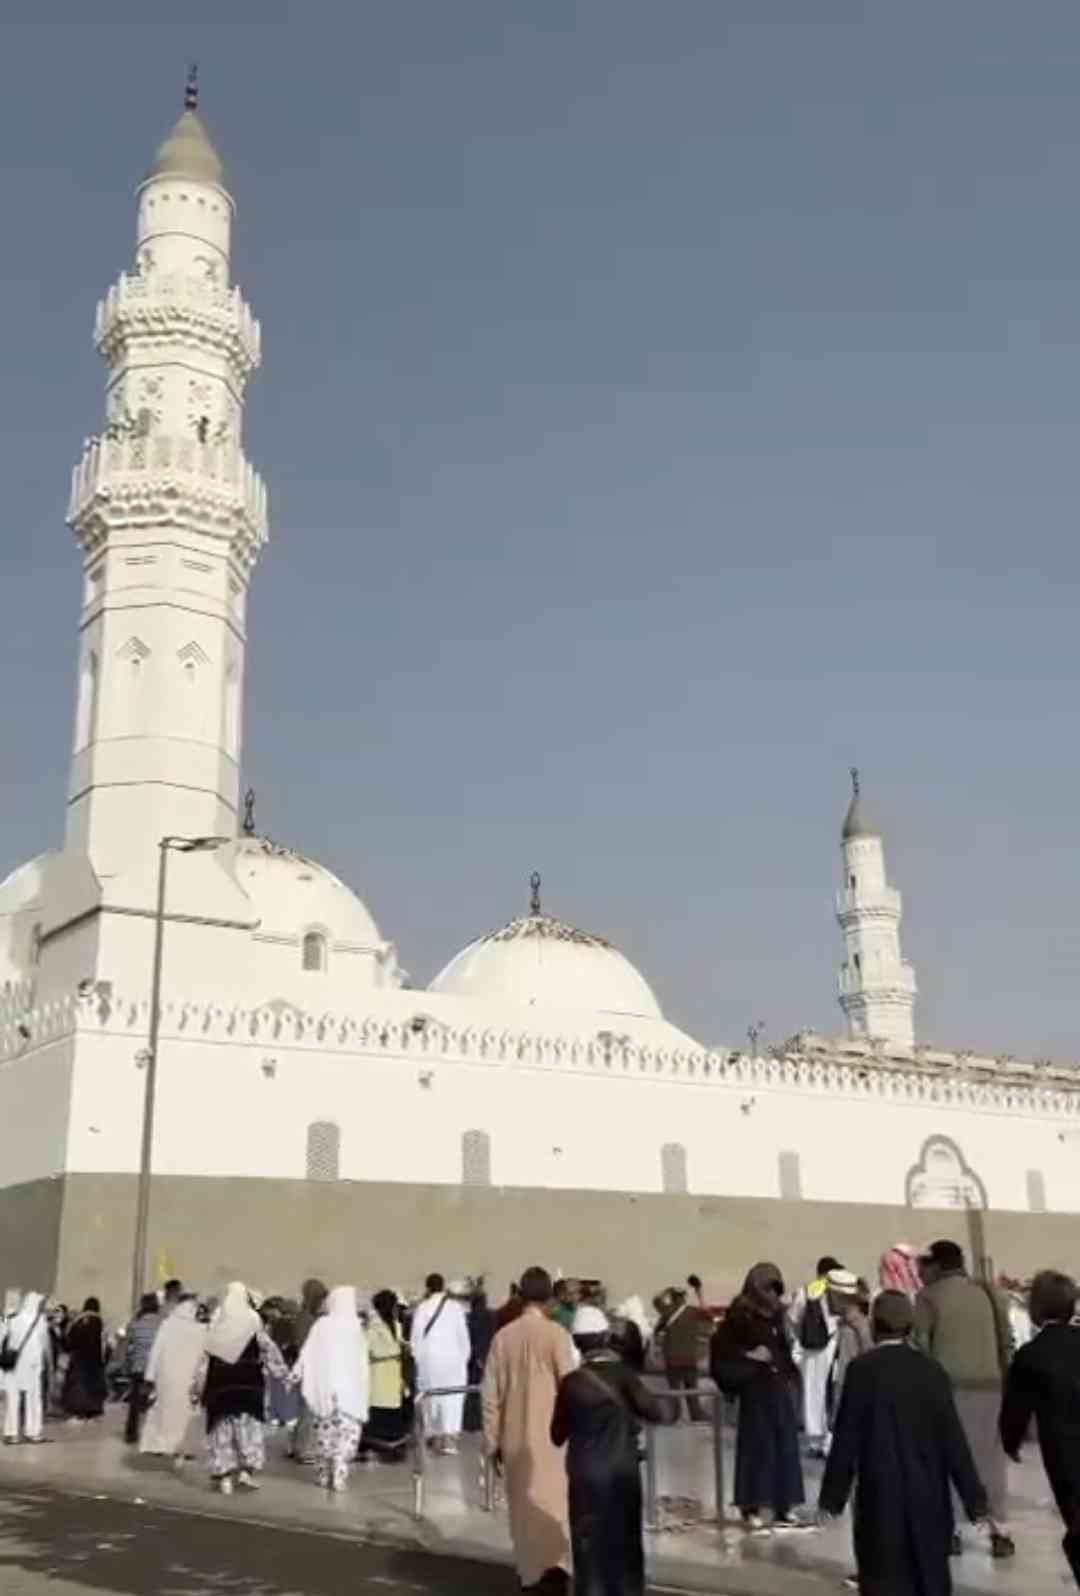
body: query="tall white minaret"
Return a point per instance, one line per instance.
(170, 518)
(877, 987)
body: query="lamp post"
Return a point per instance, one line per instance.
(142, 1201)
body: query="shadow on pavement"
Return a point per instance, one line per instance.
(119, 1548)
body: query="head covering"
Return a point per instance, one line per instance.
(333, 1366)
(899, 1271)
(186, 1308)
(27, 1316)
(458, 1288)
(763, 1289)
(842, 1282)
(589, 1322)
(893, 1315)
(633, 1311)
(385, 1304)
(233, 1325)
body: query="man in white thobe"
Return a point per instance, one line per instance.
(27, 1334)
(440, 1349)
(814, 1326)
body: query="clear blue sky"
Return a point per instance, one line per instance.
(664, 406)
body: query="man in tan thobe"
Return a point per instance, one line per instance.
(527, 1360)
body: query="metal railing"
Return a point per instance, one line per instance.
(419, 1441)
(699, 1395)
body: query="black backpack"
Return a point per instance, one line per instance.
(814, 1330)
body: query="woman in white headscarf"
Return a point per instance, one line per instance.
(334, 1377)
(174, 1362)
(26, 1340)
(231, 1384)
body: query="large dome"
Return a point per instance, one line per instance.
(540, 962)
(292, 894)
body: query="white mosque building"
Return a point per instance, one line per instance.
(314, 1113)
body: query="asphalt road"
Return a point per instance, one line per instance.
(69, 1545)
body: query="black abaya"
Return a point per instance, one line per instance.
(1044, 1380)
(898, 1431)
(597, 1410)
(84, 1382)
(768, 1469)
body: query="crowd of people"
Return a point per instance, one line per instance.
(916, 1390)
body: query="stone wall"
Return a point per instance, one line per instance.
(272, 1233)
(30, 1228)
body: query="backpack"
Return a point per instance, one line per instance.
(814, 1330)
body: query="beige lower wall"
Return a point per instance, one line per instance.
(272, 1233)
(30, 1223)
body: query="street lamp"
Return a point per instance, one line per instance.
(142, 1202)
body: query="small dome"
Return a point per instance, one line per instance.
(291, 893)
(857, 823)
(188, 152)
(541, 962)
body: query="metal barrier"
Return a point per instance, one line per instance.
(700, 1394)
(419, 1448)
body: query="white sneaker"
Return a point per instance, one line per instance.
(225, 1485)
(247, 1480)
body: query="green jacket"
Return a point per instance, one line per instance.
(965, 1327)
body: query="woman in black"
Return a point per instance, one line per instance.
(84, 1383)
(750, 1359)
(481, 1321)
(598, 1410)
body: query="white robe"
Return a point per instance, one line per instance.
(815, 1368)
(442, 1359)
(175, 1357)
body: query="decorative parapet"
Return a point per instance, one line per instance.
(16, 999)
(139, 481)
(808, 1064)
(167, 305)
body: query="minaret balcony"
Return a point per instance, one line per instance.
(174, 308)
(134, 481)
(875, 900)
(877, 981)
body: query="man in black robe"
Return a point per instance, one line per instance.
(1044, 1380)
(599, 1409)
(898, 1431)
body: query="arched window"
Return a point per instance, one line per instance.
(673, 1167)
(324, 1150)
(86, 717)
(476, 1158)
(314, 951)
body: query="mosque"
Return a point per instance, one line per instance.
(294, 1105)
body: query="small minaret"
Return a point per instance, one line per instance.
(170, 518)
(877, 987)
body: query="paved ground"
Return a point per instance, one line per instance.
(66, 1545)
(121, 1514)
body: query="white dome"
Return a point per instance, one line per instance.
(541, 962)
(291, 894)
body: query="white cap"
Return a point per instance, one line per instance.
(590, 1322)
(458, 1288)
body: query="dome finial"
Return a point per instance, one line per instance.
(191, 88)
(534, 901)
(855, 781)
(249, 812)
